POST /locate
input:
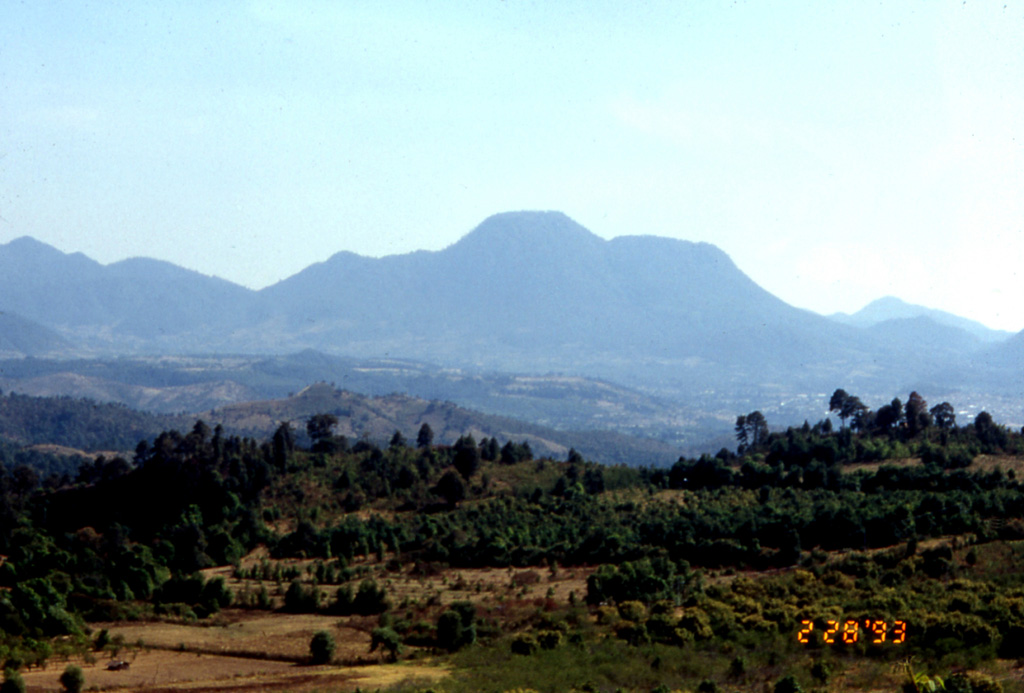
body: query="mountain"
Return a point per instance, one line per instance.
(21, 337)
(924, 336)
(892, 308)
(535, 291)
(135, 304)
(532, 293)
(1008, 356)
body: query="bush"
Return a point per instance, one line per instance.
(821, 671)
(72, 679)
(788, 684)
(300, 598)
(524, 644)
(549, 639)
(13, 683)
(387, 639)
(456, 627)
(370, 599)
(972, 682)
(321, 647)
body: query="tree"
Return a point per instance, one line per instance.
(889, 416)
(72, 679)
(489, 449)
(757, 426)
(456, 627)
(370, 598)
(854, 410)
(282, 444)
(451, 488)
(320, 426)
(425, 438)
(836, 403)
(742, 436)
(397, 441)
(386, 639)
(467, 457)
(321, 647)
(944, 415)
(916, 414)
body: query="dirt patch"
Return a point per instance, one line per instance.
(158, 671)
(155, 669)
(254, 634)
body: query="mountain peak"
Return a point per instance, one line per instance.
(27, 245)
(890, 308)
(26, 256)
(535, 231)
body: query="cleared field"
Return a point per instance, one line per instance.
(159, 671)
(254, 634)
(240, 650)
(432, 586)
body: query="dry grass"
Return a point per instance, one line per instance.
(158, 671)
(429, 585)
(240, 651)
(255, 634)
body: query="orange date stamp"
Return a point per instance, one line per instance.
(850, 632)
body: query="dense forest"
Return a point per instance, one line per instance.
(899, 518)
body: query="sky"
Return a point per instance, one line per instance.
(838, 152)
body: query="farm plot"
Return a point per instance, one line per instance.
(165, 671)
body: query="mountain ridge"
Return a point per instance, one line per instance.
(522, 292)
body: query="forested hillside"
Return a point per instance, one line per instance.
(894, 533)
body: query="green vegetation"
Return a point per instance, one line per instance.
(73, 680)
(321, 647)
(674, 559)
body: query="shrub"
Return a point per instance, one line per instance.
(972, 682)
(72, 679)
(633, 611)
(369, 599)
(456, 627)
(524, 644)
(549, 639)
(301, 599)
(321, 647)
(821, 671)
(788, 684)
(387, 639)
(13, 683)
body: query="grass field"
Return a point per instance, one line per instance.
(157, 671)
(242, 651)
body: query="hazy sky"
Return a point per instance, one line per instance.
(838, 152)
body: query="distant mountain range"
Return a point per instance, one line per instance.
(891, 308)
(525, 292)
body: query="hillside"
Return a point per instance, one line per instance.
(798, 561)
(528, 294)
(89, 426)
(20, 337)
(195, 384)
